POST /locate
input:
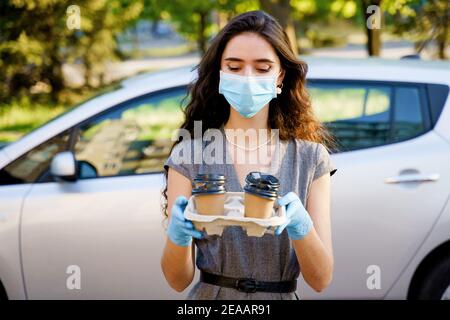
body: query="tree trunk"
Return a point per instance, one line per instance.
(373, 35)
(201, 39)
(280, 10)
(87, 73)
(53, 74)
(373, 42)
(441, 50)
(442, 38)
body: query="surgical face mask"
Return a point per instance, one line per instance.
(247, 94)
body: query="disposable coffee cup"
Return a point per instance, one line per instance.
(209, 194)
(261, 191)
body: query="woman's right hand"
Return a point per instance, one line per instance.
(180, 230)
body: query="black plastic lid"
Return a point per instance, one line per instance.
(209, 183)
(261, 184)
(209, 177)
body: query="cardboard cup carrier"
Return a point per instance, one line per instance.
(211, 208)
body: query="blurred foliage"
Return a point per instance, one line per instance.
(22, 114)
(35, 41)
(422, 22)
(194, 19)
(101, 22)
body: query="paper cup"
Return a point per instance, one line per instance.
(257, 207)
(210, 204)
(209, 193)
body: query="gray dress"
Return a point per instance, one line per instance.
(269, 258)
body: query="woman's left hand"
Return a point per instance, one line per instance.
(298, 223)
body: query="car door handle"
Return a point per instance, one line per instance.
(413, 178)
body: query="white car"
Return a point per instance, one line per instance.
(80, 196)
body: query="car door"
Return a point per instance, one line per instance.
(16, 179)
(390, 186)
(102, 236)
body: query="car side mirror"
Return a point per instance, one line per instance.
(64, 167)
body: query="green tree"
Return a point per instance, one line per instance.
(373, 33)
(101, 22)
(423, 22)
(281, 10)
(192, 19)
(308, 14)
(35, 40)
(350, 8)
(32, 35)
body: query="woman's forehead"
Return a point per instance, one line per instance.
(249, 47)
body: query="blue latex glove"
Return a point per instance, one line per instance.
(298, 223)
(180, 230)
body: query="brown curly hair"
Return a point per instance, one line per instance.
(291, 112)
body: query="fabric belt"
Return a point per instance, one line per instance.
(248, 285)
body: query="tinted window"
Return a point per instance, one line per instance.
(408, 120)
(437, 95)
(133, 138)
(362, 115)
(357, 115)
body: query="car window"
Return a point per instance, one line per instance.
(363, 115)
(133, 138)
(408, 120)
(357, 115)
(33, 164)
(104, 91)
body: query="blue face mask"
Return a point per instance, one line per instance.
(247, 94)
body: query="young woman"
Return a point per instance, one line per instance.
(250, 79)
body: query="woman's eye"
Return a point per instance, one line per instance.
(258, 69)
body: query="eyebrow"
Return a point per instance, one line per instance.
(256, 60)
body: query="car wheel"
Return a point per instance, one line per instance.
(435, 285)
